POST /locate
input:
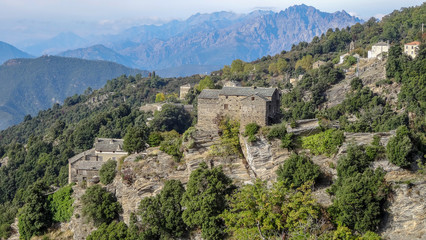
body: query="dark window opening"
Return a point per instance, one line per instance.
(225, 106)
(252, 98)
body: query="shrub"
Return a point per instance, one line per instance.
(100, 205)
(400, 147)
(251, 130)
(171, 117)
(171, 144)
(297, 170)
(155, 139)
(61, 204)
(107, 172)
(324, 143)
(277, 131)
(229, 137)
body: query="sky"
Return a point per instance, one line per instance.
(23, 21)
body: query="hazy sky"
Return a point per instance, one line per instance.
(34, 19)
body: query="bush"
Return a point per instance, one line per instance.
(100, 205)
(297, 170)
(324, 143)
(171, 144)
(277, 131)
(251, 130)
(107, 172)
(399, 148)
(61, 204)
(229, 137)
(155, 139)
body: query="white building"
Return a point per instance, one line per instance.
(378, 49)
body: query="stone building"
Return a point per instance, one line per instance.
(411, 49)
(245, 104)
(184, 90)
(378, 49)
(86, 165)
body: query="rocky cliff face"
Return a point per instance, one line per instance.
(143, 175)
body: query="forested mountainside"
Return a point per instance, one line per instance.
(8, 51)
(357, 172)
(29, 85)
(211, 40)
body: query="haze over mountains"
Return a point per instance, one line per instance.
(203, 42)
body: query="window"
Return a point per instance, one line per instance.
(252, 98)
(226, 97)
(225, 106)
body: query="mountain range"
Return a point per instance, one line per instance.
(203, 42)
(29, 85)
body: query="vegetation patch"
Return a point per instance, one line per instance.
(108, 171)
(327, 142)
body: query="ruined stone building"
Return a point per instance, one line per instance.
(184, 90)
(86, 165)
(245, 104)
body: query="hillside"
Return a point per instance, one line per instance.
(30, 85)
(339, 166)
(8, 51)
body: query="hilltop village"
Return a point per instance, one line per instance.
(324, 140)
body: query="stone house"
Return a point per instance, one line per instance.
(244, 104)
(86, 165)
(411, 49)
(378, 49)
(184, 90)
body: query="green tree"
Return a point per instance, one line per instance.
(61, 204)
(161, 216)
(399, 147)
(259, 212)
(160, 97)
(204, 200)
(107, 172)
(297, 170)
(237, 66)
(171, 117)
(171, 144)
(206, 83)
(113, 231)
(100, 205)
(136, 138)
(35, 216)
(305, 63)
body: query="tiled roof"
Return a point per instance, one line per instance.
(413, 43)
(247, 91)
(236, 91)
(256, 94)
(109, 145)
(209, 94)
(89, 165)
(81, 155)
(381, 44)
